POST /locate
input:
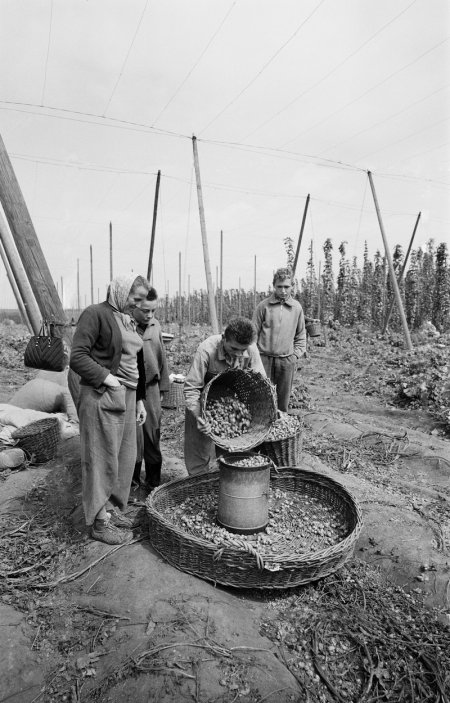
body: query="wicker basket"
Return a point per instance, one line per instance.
(39, 439)
(231, 566)
(286, 451)
(256, 392)
(174, 397)
(313, 328)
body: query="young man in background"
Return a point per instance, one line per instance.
(281, 335)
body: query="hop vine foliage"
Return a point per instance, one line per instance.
(355, 296)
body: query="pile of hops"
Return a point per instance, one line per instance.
(285, 426)
(228, 417)
(248, 461)
(297, 523)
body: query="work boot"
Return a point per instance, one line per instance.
(105, 531)
(118, 519)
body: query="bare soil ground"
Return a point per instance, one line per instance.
(80, 621)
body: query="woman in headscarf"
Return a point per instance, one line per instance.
(107, 355)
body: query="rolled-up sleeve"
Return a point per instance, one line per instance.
(255, 360)
(195, 380)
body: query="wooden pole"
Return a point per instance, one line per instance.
(92, 275)
(400, 277)
(391, 268)
(300, 237)
(239, 298)
(78, 285)
(221, 282)
(110, 253)
(254, 285)
(19, 276)
(155, 212)
(209, 285)
(189, 300)
(29, 248)
(180, 309)
(15, 289)
(318, 293)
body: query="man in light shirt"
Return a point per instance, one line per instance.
(235, 348)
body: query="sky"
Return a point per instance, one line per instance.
(285, 99)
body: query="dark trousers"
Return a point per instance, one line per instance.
(281, 371)
(152, 457)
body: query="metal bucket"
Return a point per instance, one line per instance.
(243, 494)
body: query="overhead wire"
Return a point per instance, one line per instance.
(126, 58)
(330, 73)
(386, 119)
(358, 229)
(403, 139)
(363, 95)
(189, 73)
(48, 52)
(261, 70)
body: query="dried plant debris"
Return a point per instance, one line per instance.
(38, 544)
(352, 637)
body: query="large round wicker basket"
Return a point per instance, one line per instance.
(39, 439)
(233, 566)
(256, 392)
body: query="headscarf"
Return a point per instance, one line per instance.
(118, 294)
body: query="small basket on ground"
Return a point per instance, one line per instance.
(174, 397)
(256, 392)
(235, 563)
(39, 439)
(313, 328)
(285, 451)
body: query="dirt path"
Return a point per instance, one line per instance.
(132, 628)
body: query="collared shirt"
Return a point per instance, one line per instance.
(209, 360)
(280, 326)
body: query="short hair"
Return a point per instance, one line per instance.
(139, 281)
(152, 294)
(241, 329)
(281, 274)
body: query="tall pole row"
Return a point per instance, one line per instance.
(15, 289)
(29, 248)
(24, 289)
(209, 285)
(391, 268)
